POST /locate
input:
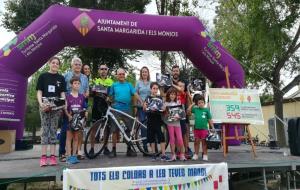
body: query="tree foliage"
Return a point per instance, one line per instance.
(20, 13)
(264, 37)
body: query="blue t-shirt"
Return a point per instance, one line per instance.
(84, 82)
(121, 93)
(143, 89)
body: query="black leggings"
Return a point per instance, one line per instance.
(154, 129)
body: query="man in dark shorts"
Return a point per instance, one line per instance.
(99, 103)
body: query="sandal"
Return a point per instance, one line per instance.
(80, 156)
(62, 158)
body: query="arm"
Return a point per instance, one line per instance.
(211, 124)
(87, 91)
(189, 110)
(177, 88)
(63, 95)
(67, 113)
(39, 98)
(145, 106)
(138, 98)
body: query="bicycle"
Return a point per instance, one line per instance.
(99, 133)
(54, 103)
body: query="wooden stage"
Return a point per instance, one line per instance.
(23, 166)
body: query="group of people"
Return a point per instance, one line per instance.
(74, 87)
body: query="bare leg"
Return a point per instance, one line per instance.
(114, 139)
(152, 147)
(79, 143)
(76, 141)
(196, 146)
(44, 149)
(69, 142)
(204, 146)
(52, 149)
(163, 148)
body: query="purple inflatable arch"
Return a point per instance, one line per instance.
(62, 26)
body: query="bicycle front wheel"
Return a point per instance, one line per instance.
(141, 140)
(96, 138)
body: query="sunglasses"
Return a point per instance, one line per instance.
(121, 73)
(105, 69)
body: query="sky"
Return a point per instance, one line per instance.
(147, 58)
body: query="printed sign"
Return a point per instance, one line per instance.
(180, 177)
(235, 106)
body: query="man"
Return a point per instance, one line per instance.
(99, 105)
(76, 66)
(185, 129)
(121, 92)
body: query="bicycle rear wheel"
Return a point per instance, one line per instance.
(96, 138)
(141, 139)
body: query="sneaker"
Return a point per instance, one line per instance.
(91, 152)
(153, 158)
(205, 157)
(172, 159)
(52, 160)
(165, 158)
(62, 158)
(69, 160)
(112, 154)
(195, 157)
(74, 160)
(188, 154)
(131, 153)
(43, 161)
(182, 157)
(106, 151)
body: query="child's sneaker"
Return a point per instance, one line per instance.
(164, 158)
(205, 158)
(195, 157)
(69, 160)
(75, 160)
(52, 160)
(182, 157)
(173, 158)
(43, 161)
(153, 158)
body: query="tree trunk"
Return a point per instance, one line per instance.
(163, 58)
(163, 54)
(278, 105)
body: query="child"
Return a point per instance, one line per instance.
(75, 103)
(173, 123)
(49, 85)
(202, 119)
(154, 112)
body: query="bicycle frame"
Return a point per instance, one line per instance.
(122, 130)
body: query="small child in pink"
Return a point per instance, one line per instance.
(173, 123)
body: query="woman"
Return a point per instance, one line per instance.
(86, 70)
(143, 90)
(50, 84)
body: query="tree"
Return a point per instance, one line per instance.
(22, 12)
(173, 8)
(264, 37)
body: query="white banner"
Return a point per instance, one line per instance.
(235, 106)
(167, 177)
